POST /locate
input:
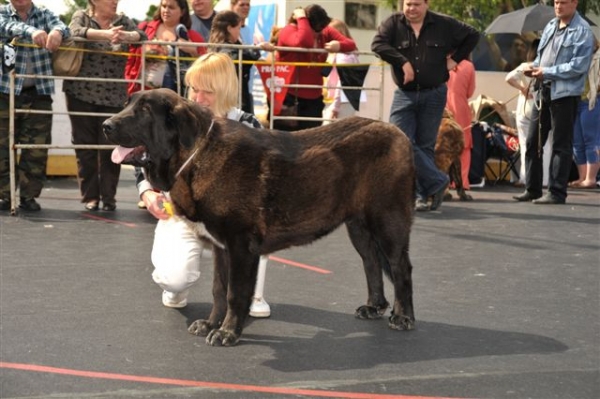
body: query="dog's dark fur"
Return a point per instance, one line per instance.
(448, 149)
(260, 191)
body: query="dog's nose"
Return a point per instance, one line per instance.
(108, 127)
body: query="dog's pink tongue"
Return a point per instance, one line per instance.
(119, 154)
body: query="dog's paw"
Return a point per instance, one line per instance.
(367, 312)
(447, 196)
(400, 322)
(465, 197)
(222, 337)
(200, 327)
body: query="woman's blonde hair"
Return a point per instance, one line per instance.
(215, 72)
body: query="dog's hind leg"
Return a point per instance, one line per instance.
(455, 174)
(403, 315)
(220, 282)
(367, 248)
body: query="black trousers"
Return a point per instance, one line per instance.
(98, 176)
(556, 116)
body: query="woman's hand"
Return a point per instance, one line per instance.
(154, 203)
(155, 49)
(298, 13)
(266, 46)
(333, 46)
(125, 37)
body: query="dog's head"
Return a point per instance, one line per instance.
(152, 130)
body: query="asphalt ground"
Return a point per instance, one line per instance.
(507, 300)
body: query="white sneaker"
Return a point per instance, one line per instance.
(481, 184)
(260, 308)
(175, 299)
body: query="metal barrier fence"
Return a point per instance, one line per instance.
(274, 85)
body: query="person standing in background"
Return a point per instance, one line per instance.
(309, 28)
(422, 47)
(461, 86)
(242, 8)
(339, 106)
(226, 30)
(177, 250)
(203, 13)
(166, 26)
(107, 31)
(560, 68)
(586, 140)
(525, 103)
(23, 20)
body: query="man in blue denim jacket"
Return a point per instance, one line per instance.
(563, 59)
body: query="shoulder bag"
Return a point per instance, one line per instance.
(66, 61)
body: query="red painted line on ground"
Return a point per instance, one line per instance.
(100, 218)
(205, 384)
(300, 265)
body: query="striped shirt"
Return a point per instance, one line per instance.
(11, 27)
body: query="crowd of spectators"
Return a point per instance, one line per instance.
(191, 25)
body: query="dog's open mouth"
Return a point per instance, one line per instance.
(136, 156)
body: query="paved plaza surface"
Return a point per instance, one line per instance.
(506, 294)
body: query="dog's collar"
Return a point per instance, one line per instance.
(187, 161)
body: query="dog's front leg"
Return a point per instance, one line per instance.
(220, 282)
(242, 279)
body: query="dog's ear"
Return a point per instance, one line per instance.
(190, 120)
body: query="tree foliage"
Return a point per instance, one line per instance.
(481, 13)
(74, 5)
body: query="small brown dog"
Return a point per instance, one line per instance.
(448, 148)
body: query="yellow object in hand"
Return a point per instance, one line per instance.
(168, 207)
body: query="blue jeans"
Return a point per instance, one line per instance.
(418, 114)
(586, 136)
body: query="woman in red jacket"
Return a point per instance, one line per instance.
(171, 23)
(309, 28)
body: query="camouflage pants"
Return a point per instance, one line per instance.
(29, 129)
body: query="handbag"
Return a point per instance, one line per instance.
(67, 60)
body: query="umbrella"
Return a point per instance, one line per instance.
(528, 19)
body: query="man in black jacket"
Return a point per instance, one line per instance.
(422, 46)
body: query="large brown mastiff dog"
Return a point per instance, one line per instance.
(260, 191)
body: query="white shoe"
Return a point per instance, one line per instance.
(175, 299)
(260, 308)
(479, 185)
